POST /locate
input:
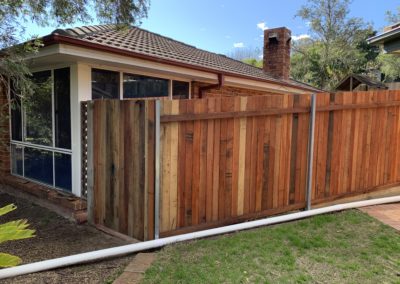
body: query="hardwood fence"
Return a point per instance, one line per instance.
(121, 171)
(226, 160)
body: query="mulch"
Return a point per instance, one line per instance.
(57, 237)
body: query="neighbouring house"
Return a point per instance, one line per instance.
(100, 62)
(359, 82)
(389, 40)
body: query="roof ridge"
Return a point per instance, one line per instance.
(84, 30)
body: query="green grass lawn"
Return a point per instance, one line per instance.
(345, 247)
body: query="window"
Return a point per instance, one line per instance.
(105, 84)
(41, 131)
(16, 114)
(62, 108)
(180, 90)
(138, 86)
(38, 111)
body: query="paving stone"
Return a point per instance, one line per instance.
(388, 214)
(135, 270)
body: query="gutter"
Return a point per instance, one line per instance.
(221, 82)
(154, 244)
(60, 39)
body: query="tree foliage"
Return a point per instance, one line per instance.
(389, 65)
(16, 14)
(248, 55)
(11, 231)
(337, 46)
(253, 62)
(393, 17)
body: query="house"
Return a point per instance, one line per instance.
(358, 82)
(101, 62)
(389, 40)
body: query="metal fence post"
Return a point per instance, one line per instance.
(157, 172)
(310, 151)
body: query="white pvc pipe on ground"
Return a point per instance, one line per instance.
(132, 248)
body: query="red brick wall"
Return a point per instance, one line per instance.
(277, 44)
(4, 133)
(226, 91)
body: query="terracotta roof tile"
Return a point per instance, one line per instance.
(151, 44)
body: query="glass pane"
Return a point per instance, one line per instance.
(62, 108)
(16, 160)
(38, 165)
(16, 115)
(136, 86)
(105, 84)
(38, 109)
(63, 171)
(180, 90)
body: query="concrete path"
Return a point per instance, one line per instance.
(134, 272)
(386, 213)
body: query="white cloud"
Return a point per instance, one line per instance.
(262, 26)
(227, 36)
(299, 37)
(238, 45)
(262, 36)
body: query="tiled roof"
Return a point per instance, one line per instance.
(160, 47)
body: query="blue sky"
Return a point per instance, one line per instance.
(220, 25)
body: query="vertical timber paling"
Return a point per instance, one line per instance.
(216, 161)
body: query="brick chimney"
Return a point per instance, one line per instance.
(277, 43)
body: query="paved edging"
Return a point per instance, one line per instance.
(388, 214)
(135, 270)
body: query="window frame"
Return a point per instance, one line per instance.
(121, 72)
(120, 83)
(52, 149)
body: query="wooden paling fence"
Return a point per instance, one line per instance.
(231, 159)
(121, 182)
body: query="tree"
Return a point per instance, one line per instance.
(15, 13)
(337, 45)
(393, 18)
(253, 62)
(389, 65)
(248, 55)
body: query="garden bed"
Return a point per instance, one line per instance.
(56, 237)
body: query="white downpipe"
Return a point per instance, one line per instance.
(127, 249)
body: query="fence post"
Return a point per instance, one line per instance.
(157, 171)
(310, 151)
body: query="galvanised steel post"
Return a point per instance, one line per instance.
(157, 172)
(311, 151)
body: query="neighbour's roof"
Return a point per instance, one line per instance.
(143, 42)
(390, 33)
(359, 79)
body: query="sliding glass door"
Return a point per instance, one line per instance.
(41, 131)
